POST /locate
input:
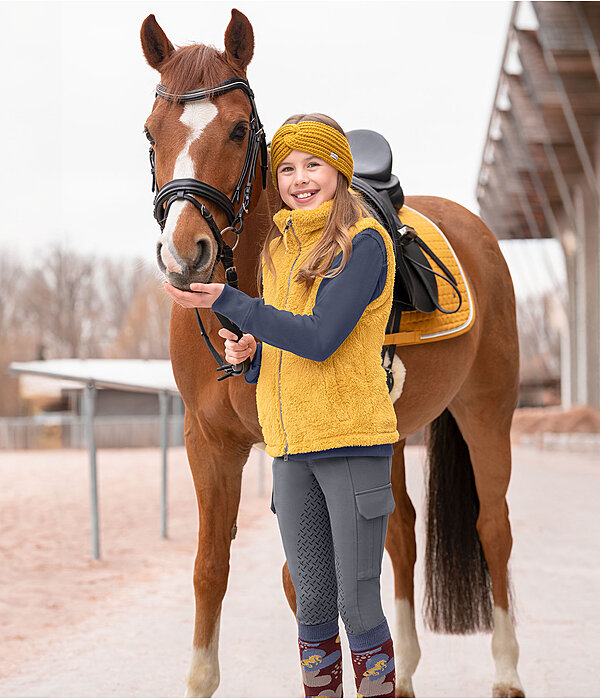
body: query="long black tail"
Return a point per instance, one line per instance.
(458, 590)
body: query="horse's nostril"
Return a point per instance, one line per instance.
(203, 254)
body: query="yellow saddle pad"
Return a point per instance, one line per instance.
(417, 327)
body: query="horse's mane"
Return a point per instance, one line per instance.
(195, 66)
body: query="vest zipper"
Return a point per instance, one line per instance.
(288, 225)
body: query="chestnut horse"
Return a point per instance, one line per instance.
(465, 387)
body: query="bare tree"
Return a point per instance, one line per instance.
(144, 332)
(61, 296)
(539, 339)
(17, 341)
(120, 281)
(72, 305)
(10, 278)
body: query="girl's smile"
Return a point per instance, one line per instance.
(306, 181)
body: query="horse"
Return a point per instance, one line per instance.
(464, 388)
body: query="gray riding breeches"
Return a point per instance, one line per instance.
(333, 514)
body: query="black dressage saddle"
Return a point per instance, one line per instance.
(415, 286)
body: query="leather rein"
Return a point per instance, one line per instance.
(188, 189)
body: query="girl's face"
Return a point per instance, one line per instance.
(305, 181)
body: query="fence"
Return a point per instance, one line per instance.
(66, 430)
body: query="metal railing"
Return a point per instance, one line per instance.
(67, 430)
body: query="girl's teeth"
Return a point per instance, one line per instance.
(304, 196)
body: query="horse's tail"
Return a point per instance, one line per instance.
(458, 587)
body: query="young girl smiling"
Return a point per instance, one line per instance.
(327, 274)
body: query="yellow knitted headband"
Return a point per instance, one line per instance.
(315, 138)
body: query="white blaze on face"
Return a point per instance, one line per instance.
(196, 117)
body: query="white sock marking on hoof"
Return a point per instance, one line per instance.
(505, 651)
(204, 676)
(407, 651)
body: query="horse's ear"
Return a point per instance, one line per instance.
(155, 43)
(239, 40)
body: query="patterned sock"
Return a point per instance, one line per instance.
(321, 664)
(374, 672)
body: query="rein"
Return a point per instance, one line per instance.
(188, 189)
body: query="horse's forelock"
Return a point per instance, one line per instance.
(193, 67)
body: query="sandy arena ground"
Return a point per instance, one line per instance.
(122, 627)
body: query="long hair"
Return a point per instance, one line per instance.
(348, 207)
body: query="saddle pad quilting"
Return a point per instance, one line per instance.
(417, 327)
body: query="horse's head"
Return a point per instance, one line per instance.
(205, 140)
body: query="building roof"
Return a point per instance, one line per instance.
(543, 128)
(148, 376)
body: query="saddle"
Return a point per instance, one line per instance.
(415, 285)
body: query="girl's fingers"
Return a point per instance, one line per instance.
(236, 351)
(202, 287)
(225, 333)
(186, 299)
(236, 357)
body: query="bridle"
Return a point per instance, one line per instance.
(188, 189)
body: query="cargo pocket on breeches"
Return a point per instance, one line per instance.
(372, 510)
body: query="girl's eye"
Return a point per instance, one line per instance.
(313, 163)
(285, 168)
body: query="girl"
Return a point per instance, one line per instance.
(322, 398)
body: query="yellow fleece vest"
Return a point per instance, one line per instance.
(304, 405)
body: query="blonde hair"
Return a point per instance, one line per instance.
(348, 207)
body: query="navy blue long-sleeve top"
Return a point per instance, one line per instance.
(339, 304)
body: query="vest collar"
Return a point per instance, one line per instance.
(307, 224)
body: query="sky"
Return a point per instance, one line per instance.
(77, 90)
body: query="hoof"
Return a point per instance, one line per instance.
(404, 690)
(506, 691)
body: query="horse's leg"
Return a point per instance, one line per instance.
(484, 421)
(400, 543)
(288, 587)
(217, 474)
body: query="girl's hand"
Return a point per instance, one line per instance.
(237, 352)
(203, 296)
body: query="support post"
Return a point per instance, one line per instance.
(163, 401)
(262, 456)
(89, 397)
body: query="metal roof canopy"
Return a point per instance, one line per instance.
(124, 375)
(546, 113)
(539, 170)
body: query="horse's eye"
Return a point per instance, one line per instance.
(238, 133)
(148, 135)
